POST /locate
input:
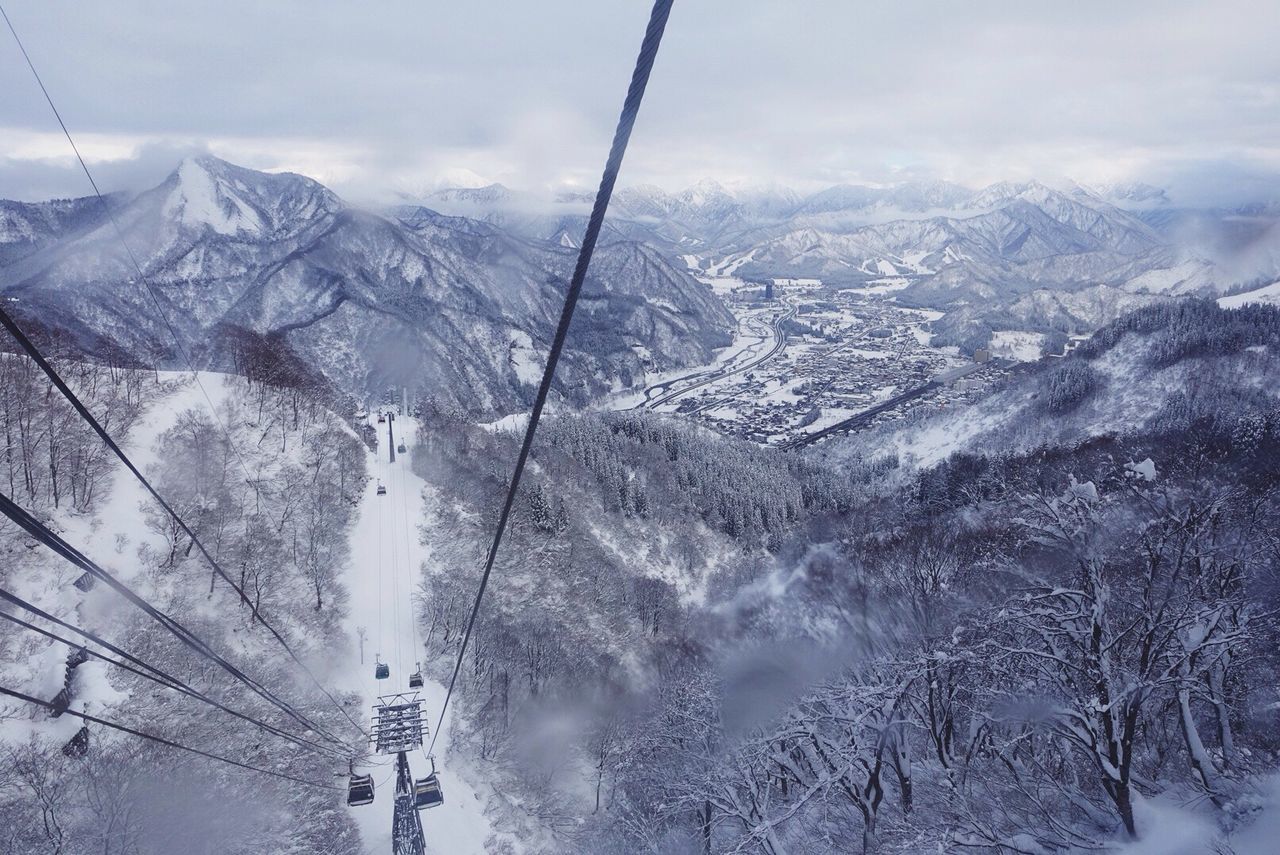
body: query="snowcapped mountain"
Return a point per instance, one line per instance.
(1007, 238)
(28, 226)
(1133, 195)
(944, 246)
(275, 272)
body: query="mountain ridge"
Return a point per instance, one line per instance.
(249, 264)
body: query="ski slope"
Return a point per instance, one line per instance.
(387, 556)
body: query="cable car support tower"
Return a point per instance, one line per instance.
(399, 725)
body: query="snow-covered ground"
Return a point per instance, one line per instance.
(110, 536)
(387, 557)
(1017, 345)
(1265, 294)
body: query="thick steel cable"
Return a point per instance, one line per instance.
(630, 108)
(160, 739)
(142, 277)
(34, 352)
(41, 532)
(143, 669)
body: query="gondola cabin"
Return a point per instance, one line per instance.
(360, 790)
(382, 491)
(382, 420)
(382, 670)
(427, 792)
(415, 679)
(400, 449)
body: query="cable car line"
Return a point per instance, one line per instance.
(49, 371)
(163, 741)
(55, 543)
(378, 668)
(143, 669)
(66, 392)
(412, 571)
(395, 586)
(630, 108)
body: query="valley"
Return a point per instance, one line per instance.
(807, 358)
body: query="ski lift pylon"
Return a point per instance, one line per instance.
(78, 745)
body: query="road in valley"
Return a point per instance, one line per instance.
(772, 338)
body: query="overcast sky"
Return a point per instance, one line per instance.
(401, 95)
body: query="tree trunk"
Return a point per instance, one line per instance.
(1217, 688)
(1122, 798)
(869, 842)
(1199, 758)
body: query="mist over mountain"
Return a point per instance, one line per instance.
(1009, 255)
(273, 272)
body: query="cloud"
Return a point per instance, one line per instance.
(374, 101)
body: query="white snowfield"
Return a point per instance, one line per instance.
(387, 559)
(1265, 294)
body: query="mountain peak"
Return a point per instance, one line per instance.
(203, 196)
(706, 190)
(208, 194)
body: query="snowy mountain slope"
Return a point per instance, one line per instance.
(958, 246)
(267, 270)
(28, 226)
(1181, 360)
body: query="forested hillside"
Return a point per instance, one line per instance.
(1023, 648)
(272, 498)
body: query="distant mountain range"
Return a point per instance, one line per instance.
(1008, 255)
(274, 273)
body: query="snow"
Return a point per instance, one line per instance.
(1086, 490)
(387, 560)
(1265, 294)
(1146, 470)
(198, 200)
(1017, 345)
(1263, 835)
(524, 359)
(514, 423)
(1185, 278)
(886, 285)
(915, 261)
(1165, 828)
(732, 267)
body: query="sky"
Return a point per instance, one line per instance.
(399, 97)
